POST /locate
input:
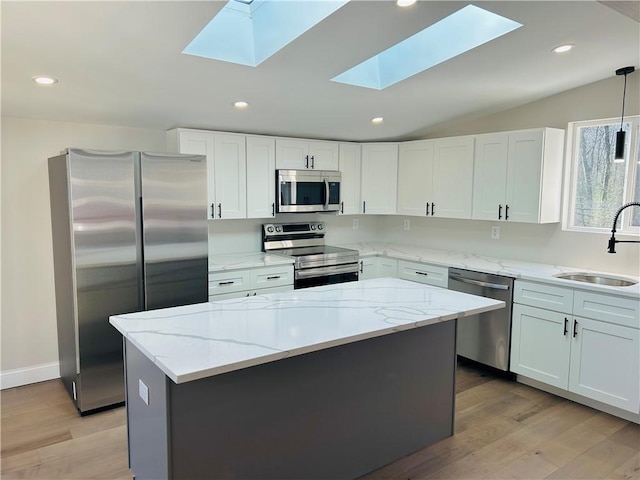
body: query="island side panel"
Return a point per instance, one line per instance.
(147, 425)
(335, 413)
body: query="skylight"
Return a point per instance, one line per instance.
(248, 32)
(454, 35)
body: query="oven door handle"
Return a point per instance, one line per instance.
(324, 271)
(326, 194)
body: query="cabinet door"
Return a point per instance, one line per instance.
(261, 177)
(387, 267)
(415, 174)
(540, 347)
(605, 363)
(292, 154)
(490, 176)
(201, 143)
(453, 177)
(230, 176)
(323, 155)
(524, 176)
(349, 165)
(368, 268)
(379, 178)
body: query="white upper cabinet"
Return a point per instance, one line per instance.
(299, 154)
(518, 176)
(452, 177)
(379, 178)
(415, 178)
(261, 177)
(349, 164)
(226, 168)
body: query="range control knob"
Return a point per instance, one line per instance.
(270, 229)
(313, 227)
(320, 227)
(278, 228)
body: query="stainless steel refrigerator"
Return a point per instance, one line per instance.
(129, 234)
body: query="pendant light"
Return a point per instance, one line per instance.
(620, 136)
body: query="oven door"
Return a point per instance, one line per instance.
(314, 277)
(308, 191)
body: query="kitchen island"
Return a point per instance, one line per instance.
(326, 382)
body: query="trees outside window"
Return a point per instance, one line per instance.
(599, 184)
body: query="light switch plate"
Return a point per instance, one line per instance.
(407, 224)
(143, 391)
(355, 223)
(495, 232)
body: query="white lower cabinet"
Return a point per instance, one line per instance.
(597, 358)
(378, 267)
(423, 273)
(250, 282)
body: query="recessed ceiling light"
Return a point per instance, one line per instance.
(241, 104)
(405, 3)
(563, 48)
(44, 80)
(377, 120)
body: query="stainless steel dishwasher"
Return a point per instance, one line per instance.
(484, 338)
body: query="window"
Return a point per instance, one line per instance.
(599, 184)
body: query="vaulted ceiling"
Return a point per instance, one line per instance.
(120, 63)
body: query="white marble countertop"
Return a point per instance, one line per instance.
(197, 341)
(538, 272)
(236, 261)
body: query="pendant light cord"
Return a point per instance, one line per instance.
(624, 94)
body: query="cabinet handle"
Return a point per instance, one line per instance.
(213, 212)
(433, 209)
(313, 161)
(566, 325)
(273, 209)
(306, 162)
(427, 209)
(422, 273)
(361, 266)
(499, 212)
(230, 282)
(364, 207)
(247, 294)
(342, 207)
(506, 212)
(255, 293)
(273, 277)
(219, 210)
(575, 328)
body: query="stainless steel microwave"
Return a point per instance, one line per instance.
(308, 191)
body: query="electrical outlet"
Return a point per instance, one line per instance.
(355, 223)
(143, 391)
(407, 224)
(495, 232)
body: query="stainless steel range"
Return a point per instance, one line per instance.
(315, 263)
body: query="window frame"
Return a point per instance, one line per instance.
(632, 156)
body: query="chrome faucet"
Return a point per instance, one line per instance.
(612, 240)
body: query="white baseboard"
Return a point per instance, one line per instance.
(25, 376)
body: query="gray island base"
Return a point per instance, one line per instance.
(323, 383)
(335, 413)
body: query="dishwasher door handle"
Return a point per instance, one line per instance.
(496, 286)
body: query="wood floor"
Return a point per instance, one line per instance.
(504, 430)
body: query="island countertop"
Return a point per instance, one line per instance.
(198, 341)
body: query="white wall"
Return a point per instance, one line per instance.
(28, 322)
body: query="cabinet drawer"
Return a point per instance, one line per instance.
(423, 273)
(543, 296)
(250, 293)
(607, 308)
(272, 277)
(228, 282)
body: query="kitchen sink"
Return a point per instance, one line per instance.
(596, 278)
